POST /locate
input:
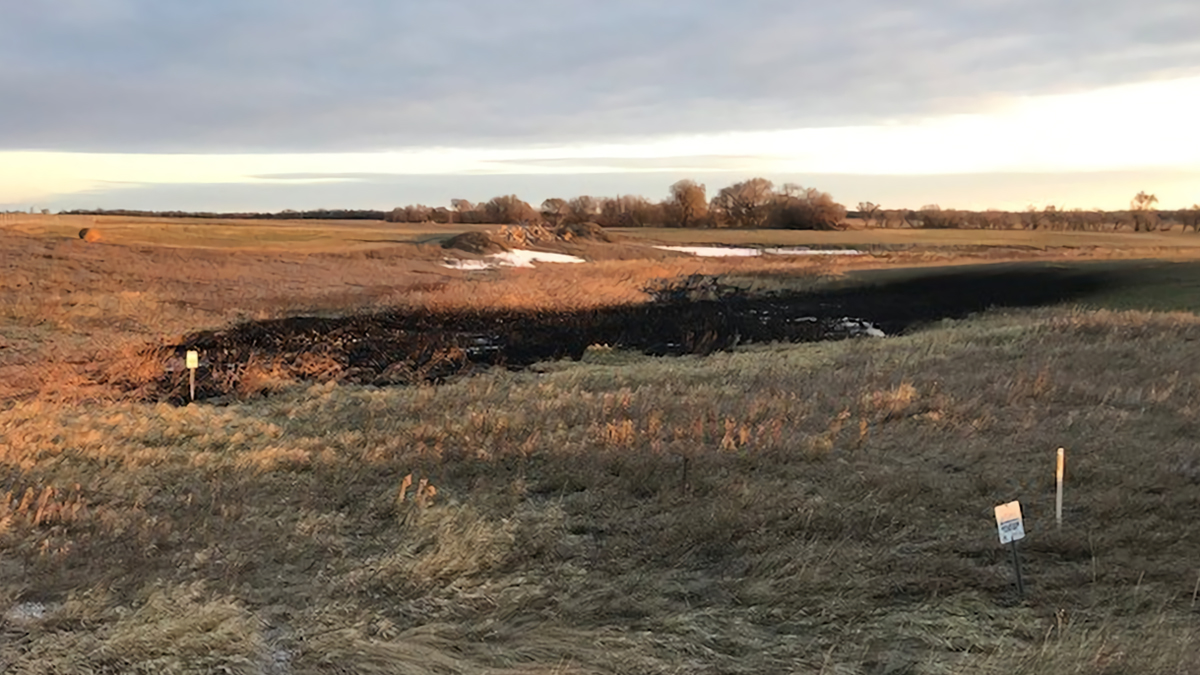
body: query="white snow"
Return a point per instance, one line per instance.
(714, 251)
(514, 258)
(456, 264)
(524, 258)
(809, 251)
(860, 327)
(521, 258)
(733, 251)
(26, 611)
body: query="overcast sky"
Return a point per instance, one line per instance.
(270, 104)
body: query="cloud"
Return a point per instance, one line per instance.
(320, 75)
(685, 163)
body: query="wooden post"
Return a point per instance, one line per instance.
(193, 362)
(1058, 501)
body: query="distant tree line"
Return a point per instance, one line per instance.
(1140, 217)
(286, 214)
(754, 203)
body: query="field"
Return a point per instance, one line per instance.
(822, 507)
(307, 236)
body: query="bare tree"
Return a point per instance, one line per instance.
(463, 210)
(1144, 219)
(583, 209)
(555, 211)
(934, 217)
(630, 211)
(417, 213)
(869, 211)
(1189, 218)
(1029, 218)
(995, 220)
(745, 204)
(1142, 201)
(509, 209)
(892, 218)
(687, 205)
(797, 208)
(1055, 217)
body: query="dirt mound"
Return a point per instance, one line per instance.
(585, 232)
(89, 234)
(474, 242)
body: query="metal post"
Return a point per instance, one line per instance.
(192, 382)
(1016, 559)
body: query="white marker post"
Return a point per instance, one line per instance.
(1058, 497)
(193, 362)
(1012, 529)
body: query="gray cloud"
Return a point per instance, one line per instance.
(321, 75)
(689, 163)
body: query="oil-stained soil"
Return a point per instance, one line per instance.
(690, 316)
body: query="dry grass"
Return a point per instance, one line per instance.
(294, 236)
(1033, 240)
(76, 317)
(821, 508)
(836, 516)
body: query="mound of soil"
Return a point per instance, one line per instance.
(474, 242)
(89, 234)
(585, 232)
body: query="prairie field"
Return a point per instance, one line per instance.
(324, 236)
(821, 507)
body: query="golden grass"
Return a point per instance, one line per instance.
(562, 538)
(1183, 243)
(819, 508)
(224, 234)
(173, 630)
(77, 316)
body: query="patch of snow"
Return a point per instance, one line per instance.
(713, 251)
(456, 264)
(514, 258)
(860, 327)
(522, 258)
(734, 251)
(810, 251)
(26, 611)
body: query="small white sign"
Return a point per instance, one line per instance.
(1008, 520)
(193, 360)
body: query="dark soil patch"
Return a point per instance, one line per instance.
(402, 347)
(474, 242)
(585, 232)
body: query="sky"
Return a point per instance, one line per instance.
(232, 105)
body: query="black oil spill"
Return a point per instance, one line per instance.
(400, 347)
